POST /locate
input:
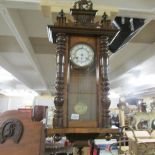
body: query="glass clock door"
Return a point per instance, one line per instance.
(82, 96)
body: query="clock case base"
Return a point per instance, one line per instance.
(83, 134)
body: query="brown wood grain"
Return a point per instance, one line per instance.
(88, 33)
(81, 130)
(66, 77)
(82, 31)
(32, 141)
(91, 41)
(83, 124)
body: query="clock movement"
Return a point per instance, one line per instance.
(82, 84)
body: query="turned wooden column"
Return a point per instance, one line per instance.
(105, 101)
(59, 84)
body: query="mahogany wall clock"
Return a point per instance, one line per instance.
(82, 68)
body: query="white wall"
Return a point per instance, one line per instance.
(3, 103)
(14, 103)
(44, 100)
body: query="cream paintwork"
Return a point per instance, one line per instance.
(50, 6)
(139, 116)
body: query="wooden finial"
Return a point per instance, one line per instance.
(104, 18)
(61, 19)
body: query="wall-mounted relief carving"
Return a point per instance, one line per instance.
(11, 129)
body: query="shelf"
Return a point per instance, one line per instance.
(51, 131)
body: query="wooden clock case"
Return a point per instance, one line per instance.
(66, 35)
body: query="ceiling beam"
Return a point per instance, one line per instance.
(139, 58)
(21, 4)
(4, 63)
(14, 22)
(133, 13)
(50, 6)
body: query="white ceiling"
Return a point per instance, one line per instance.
(26, 53)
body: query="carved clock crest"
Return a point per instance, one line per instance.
(82, 84)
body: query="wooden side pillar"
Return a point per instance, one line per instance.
(59, 85)
(105, 101)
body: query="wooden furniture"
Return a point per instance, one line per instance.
(56, 149)
(64, 131)
(26, 111)
(82, 84)
(19, 135)
(39, 112)
(141, 142)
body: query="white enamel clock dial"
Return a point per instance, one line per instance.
(82, 55)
